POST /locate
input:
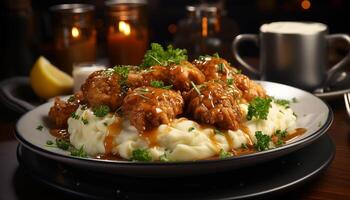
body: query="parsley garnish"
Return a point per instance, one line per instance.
(191, 129)
(141, 155)
(40, 127)
(262, 141)
(259, 108)
(282, 102)
(62, 144)
(71, 98)
(122, 70)
(229, 81)
(224, 154)
(85, 121)
(157, 55)
(221, 67)
(160, 84)
(79, 152)
(280, 135)
(195, 88)
(75, 116)
(244, 146)
(101, 110)
(49, 142)
(239, 71)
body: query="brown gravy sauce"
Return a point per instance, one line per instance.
(60, 133)
(112, 131)
(115, 128)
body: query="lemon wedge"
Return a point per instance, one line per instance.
(48, 81)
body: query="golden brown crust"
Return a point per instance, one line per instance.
(149, 107)
(214, 105)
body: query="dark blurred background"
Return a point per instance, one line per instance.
(26, 29)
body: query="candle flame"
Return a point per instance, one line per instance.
(124, 28)
(75, 32)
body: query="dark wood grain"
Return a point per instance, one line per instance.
(332, 184)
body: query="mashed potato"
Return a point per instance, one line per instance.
(182, 140)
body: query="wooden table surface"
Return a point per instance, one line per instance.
(333, 184)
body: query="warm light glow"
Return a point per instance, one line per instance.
(75, 32)
(204, 26)
(124, 28)
(306, 4)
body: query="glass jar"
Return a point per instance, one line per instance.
(206, 30)
(127, 32)
(74, 35)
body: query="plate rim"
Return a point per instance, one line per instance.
(312, 137)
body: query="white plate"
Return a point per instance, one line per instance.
(313, 114)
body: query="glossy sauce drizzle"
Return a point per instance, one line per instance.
(112, 131)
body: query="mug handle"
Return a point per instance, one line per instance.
(342, 62)
(235, 44)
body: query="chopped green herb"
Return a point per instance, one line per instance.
(49, 142)
(221, 67)
(62, 144)
(40, 127)
(259, 108)
(244, 146)
(79, 152)
(224, 154)
(283, 102)
(105, 123)
(101, 110)
(239, 71)
(191, 129)
(216, 131)
(160, 84)
(195, 88)
(204, 58)
(229, 81)
(216, 55)
(122, 71)
(71, 98)
(141, 155)
(85, 121)
(295, 114)
(262, 141)
(294, 100)
(75, 116)
(157, 55)
(280, 135)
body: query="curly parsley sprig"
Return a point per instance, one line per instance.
(157, 55)
(259, 108)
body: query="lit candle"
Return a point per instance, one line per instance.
(74, 35)
(127, 33)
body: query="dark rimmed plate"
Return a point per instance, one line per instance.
(313, 114)
(261, 180)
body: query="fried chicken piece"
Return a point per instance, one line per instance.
(183, 74)
(145, 77)
(149, 107)
(249, 88)
(62, 110)
(210, 103)
(103, 88)
(215, 68)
